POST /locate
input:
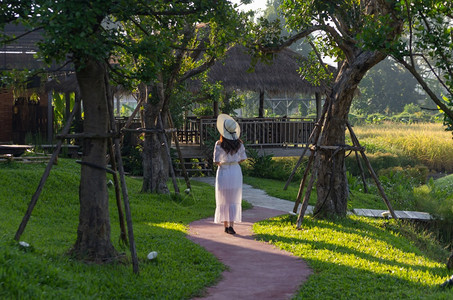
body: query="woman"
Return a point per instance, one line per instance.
(229, 151)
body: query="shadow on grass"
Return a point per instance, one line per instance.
(355, 258)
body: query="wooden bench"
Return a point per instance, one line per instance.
(14, 150)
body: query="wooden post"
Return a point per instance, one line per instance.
(261, 105)
(362, 173)
(303, 209)
(52, 160)
(178, 149)
(355, 140)
(302, 183)
(123, 236)
(127, 208)
(314, 136)
(318, 105)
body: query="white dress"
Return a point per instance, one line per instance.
(228, 185)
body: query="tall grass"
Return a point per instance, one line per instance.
(428, 143)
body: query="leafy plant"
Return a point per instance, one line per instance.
(259, 164)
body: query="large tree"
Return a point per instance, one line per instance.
(357, 33)
(88, 33)
(193, 41)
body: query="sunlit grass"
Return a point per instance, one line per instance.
(357, 258)
(427, 142)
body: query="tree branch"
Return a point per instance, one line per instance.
(426, 88)
(342, 42)
(198, 70)
(19, 36)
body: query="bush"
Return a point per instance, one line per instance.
(259, 165)
(267, 166)
(399, 183)
(375, 118)
(379, 161)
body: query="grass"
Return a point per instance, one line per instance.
(182, 269)
(358, 258)
(429, 143)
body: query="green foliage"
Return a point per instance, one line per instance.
(436, 197)
(379, 161)
(399, 183)
(375, 118)
(132, 159)
(358, 257)
(182, 269)
(259, 165)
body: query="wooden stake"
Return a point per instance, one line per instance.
(362, 173)
(302, 183)
(178, 149)
(127, 208)
(123, 235)
(355, 140)
(52, 160)
(300, 218)
(313, 135)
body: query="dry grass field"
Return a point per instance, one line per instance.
(427, 142)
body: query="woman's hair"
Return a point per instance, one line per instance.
(230, 146)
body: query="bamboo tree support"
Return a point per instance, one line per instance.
(312, 138)
(178, 149)
(167, 148)
(127, 208)
(303, 209)
(362, 173)
(298, 162)
(123, 236)
(355, 141)
(52, 160)
(132, 116)
(302, 183)
(316, 133)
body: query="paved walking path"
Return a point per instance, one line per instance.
(256, 270)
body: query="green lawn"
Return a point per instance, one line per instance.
(352, 258)
(181, 270)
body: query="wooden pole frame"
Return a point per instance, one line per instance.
(52, 160)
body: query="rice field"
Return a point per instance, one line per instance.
(429, 143)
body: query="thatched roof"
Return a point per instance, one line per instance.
(20, 53)
(279, 76)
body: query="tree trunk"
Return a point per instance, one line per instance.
(332, 185)
(155, 168)
(93, 233)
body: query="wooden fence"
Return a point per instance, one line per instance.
(261, 132)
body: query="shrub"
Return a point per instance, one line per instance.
(399, 183)
(379, 161)
(259, 165)
(375, 118)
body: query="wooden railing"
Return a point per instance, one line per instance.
(263, 132)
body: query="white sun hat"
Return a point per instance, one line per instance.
(228, 127)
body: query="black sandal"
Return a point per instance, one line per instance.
(231, 230)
